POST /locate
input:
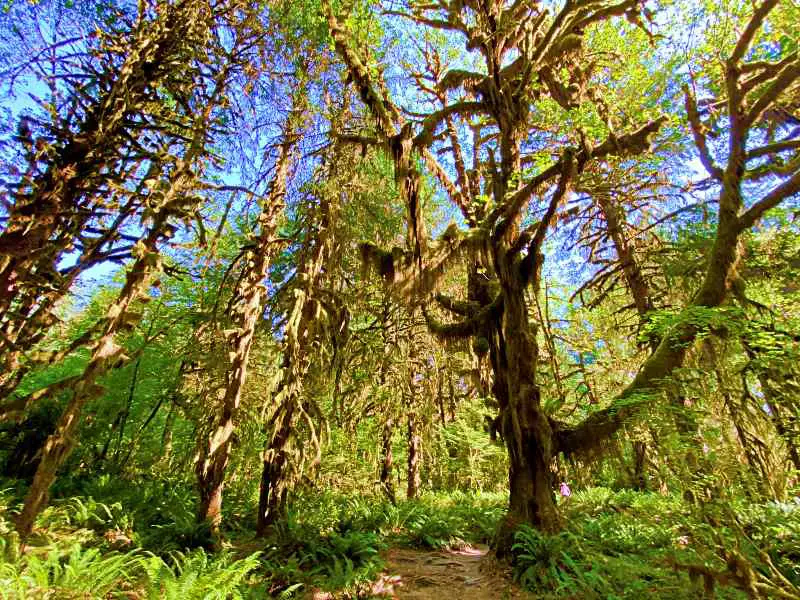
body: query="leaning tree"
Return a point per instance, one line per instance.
(126, 168)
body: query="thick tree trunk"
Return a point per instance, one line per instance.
(211, 476)
(387, 461)
(531, 496)
(526, 428)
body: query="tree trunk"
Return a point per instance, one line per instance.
(211, 475)
(526, 429)
(215, 452)
(106, 355)
(414, 447)
(56, 449)
(387, 461)
(639, 448)
(273, 490)
(248, 310)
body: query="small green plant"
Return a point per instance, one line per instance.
(198, 576)
(300, 552)
(81, 573)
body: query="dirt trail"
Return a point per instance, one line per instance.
(465, 574)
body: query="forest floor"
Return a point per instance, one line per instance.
(460, 574)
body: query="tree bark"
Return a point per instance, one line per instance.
(526, 429)
(387, 461)
(414, 441)
(273, 490)
(639, 449)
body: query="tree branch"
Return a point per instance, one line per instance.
(780, 193)
(425, 137)
(699, 137)
(468, 327)
(464, 309)
(750, 31)
(788, 75)
(384, 112)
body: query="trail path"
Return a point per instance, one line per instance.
(465, 574)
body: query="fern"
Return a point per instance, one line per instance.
(195, 576)
(80, 573)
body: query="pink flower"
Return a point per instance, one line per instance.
(565, 491)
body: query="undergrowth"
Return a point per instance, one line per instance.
(332, 542)
(116, 539)
(111, 543)
(633, 545)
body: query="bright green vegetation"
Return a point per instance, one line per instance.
(293, 291)
(622, 544)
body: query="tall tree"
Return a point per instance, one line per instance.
(248, 309)
(527, 54)
(92, 156)
(171, 195)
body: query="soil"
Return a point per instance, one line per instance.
(468, 573)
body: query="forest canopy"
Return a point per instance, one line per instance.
(264, 264)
